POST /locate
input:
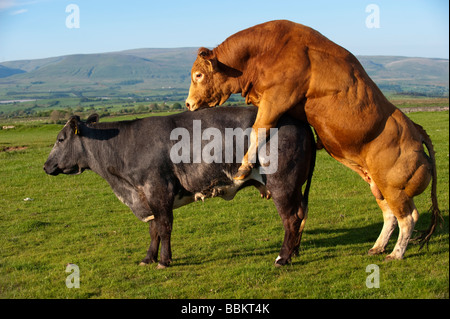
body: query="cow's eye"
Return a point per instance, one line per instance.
(60, 140)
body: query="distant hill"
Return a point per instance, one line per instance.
(139, 70)
(5, 71)
(405, 74)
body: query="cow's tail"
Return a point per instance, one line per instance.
(310, 174)
(436, 216)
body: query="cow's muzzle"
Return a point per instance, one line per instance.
(55, 170)
(52, 169)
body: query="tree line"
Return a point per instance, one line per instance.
(62, 114)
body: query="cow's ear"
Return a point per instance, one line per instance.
(93, 118)
(74, 123)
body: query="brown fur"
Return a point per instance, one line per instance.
(285, 67)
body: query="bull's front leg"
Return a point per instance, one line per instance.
(249, 159)
(266, 119)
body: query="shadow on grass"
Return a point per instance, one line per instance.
(332, 242)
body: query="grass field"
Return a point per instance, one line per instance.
(220, 249)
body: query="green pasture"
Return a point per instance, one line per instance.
(220, 249)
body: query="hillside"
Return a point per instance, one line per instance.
(5, 71)
(406, 74)
(140, 70)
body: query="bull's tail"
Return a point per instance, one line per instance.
(436, 216)
(310, 174)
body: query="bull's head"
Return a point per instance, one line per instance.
(66, 157)
(212, 82)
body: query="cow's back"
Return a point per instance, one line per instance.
(196, 177)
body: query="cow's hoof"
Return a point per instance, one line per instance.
(266, 194)
(242, 173)
(161, 266)
(146, 261)
(280, 262)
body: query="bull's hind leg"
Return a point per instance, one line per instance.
(390, 222)
(407, 216)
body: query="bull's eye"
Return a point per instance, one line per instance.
(198, 76)
(60, 140)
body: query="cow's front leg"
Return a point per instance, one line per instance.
(164, 224)
(152, 253)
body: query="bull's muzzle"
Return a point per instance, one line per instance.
(190, 105)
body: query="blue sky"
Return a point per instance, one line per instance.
(37, 28)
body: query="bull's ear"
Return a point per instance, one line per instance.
(209, 56)
(93, 118)
(205, 53)
(74, 123)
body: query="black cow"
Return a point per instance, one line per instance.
(140, 159)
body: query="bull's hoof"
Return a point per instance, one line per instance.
(375, 251)
(242, 173)
(392, 257)
(143, 263)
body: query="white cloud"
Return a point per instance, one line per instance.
(18, 12)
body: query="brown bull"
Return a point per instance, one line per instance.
(285, 67)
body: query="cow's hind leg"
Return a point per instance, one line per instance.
(291, 240)
(390, 222)
(300, 233)
(293, 222)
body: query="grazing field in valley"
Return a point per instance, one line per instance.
(220, 249)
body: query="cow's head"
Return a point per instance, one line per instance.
(212, 82)
(67, 156)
